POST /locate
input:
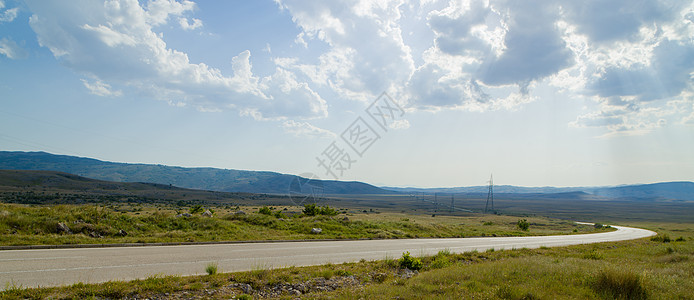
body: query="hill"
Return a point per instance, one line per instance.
(44, 187)
(212, 179)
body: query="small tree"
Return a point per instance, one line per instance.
(523, 224)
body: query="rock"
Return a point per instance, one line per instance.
(316, 230)
(122, 232)
(240, 212)
(345, 219)
(207, 213)
(62, 228)
(187, 215)
(94, 234)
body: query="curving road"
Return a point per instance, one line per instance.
(31, 268)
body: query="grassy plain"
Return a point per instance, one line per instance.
(123, 223)
(638, 269)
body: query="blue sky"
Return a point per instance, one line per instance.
(540, 93)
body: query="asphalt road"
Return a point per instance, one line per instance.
(53, 267)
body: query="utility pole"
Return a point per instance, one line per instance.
(490, 194)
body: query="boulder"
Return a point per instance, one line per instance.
(187, 215)
(240, 212)
(62, 228)
(207, 213)
(316, 230)
(122, 232)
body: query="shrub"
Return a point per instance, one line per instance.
(278, 214)
(664, 238)
(328, 211)
(598, 226)
(680, 239)
(311, 210)
(265, 211)
(314, 210)
(619, 285)
(441, 260)
(409, 262)
(523, 224)
(211, 269)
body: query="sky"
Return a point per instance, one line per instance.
(394, 93)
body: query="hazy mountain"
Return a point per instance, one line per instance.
(194, 178)
(226, 180)
(661, 191)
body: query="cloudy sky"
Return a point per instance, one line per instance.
(402, 93)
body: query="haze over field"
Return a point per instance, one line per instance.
(540, 93)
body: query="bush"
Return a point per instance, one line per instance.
(328, 211)
(311, 210)
(265, 210)
(523, 224)
(664, 238)
(409, 262)
(680, 239)
(211, 269)
(314, 210)
(598, 226)
(619, 285)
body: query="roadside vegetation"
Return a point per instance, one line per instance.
(639, 269)
(93, 224)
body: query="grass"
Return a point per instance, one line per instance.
(92, 224)
(638, 269)
(211, 269)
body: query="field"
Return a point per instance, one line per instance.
(92, 224)
(654, 268)
(100, 213)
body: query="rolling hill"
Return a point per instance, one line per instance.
(212, 179)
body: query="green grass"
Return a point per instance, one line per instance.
(638, 269)
(90, 224)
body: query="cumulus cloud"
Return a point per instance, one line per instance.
(634, 59)
(10, 49)
(114, 42)
(367, 53)
(304, 129)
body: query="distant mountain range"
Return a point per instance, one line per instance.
(227, 180)
(681, 190)
(211, 179)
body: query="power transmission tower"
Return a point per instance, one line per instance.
(490, 194)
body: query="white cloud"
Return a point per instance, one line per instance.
(100, 88)
(10, 49)
(114, 43)
(304, 129)
(7, 15)
(367, 53)
(158, 11)
(188, 25)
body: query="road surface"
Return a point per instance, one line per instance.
(54, 267)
